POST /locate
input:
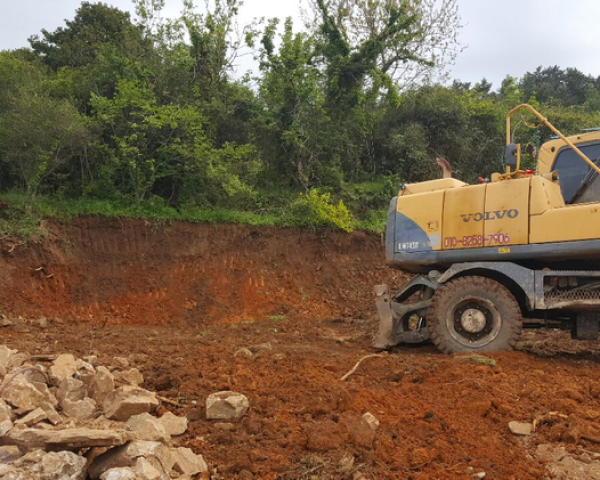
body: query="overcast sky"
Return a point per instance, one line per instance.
(501, 36)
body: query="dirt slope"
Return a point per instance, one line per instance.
(132, 272)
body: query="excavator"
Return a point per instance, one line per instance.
(522, 249)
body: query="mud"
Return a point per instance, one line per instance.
(281, 316)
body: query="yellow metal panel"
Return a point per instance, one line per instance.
(463, 217)
(545, 194)
(506, 216)
(573, 222)
(425, 209)
(550, 149)
(431, 185)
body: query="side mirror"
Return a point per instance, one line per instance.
(511, 155)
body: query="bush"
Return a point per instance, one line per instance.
(317, 210)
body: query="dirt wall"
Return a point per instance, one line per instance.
(135, 272)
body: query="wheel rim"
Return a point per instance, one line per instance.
(474, 322)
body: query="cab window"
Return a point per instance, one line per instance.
(572, 169)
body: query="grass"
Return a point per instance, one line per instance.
(274, 212)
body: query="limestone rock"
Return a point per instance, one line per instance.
(187, 462)
(20, 393)
(63, 367)
(119, 474)
(9, 454)
(147, 427)
(126, 401)
(371, 420)
(101, 385)
(72, 389)
(173, 424)
(67, 439)
(226, 405)
(126, 456)
(32, 417)
(146, 471)
(520, 428)
(5, 355)
(5, 426)
(79, 409)
(129, 377)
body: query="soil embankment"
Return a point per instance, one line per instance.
(138, 272)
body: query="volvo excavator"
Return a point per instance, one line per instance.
(520, 249)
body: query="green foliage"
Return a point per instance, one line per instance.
(316, 209)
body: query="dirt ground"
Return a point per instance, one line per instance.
(281, 316)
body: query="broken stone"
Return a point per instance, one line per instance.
(36, 376)
(44, 390)
(6, 426)
(226, 405)
(146, 470)
(187, 462)
(51, 414)
(101, 385)
(121, 362)
(68, 439)
(119, 474)
(126, 401)
(371, 420)
(79, 409)
(63, 367)
(61, 465)
(21, 394)
(6, 411)
(173, 424)
(71, 389)
(520, 428)
(246, 352)
(126, 456)
(9, 454)
(17, 360)
(33, 417)
(5, 354)
(129, 377)
(147, 427)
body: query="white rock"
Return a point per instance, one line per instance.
(33, 417)
(79, 409)
(226, 405)
(147, 427)
(101, 385)
(21, 394)
(520, 428)
(67, 439)
(126, 456)
(9, 454)
(72, 389)
(63, 367)
(5, 354)
(146, 471)
(126, 401)
(187, 462)
(5, 426)
(371, 420)
(119, 474)
(129, 377)
(173, 424)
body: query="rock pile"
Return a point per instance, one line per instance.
(70, 419)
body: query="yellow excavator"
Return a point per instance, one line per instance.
(522, 248)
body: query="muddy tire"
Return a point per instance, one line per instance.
(474, 314)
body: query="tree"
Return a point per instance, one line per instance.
(38, 132)
(407, 40)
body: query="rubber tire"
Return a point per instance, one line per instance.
(452, 293)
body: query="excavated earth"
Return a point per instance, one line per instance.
(281, 315)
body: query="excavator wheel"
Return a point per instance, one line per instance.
(474, 314)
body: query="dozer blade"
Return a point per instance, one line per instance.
(386, 335)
